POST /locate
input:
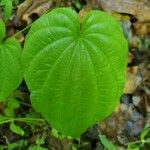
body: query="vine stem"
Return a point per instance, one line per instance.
(16, 34)
(19, 32)
(22, 120)
(137, 142)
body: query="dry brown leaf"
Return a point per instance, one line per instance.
(130, 57)
(142, 28)
(29, 8)
(132, 80)
(138, 8)
(147, 104)
(20, 37)
(84, 11)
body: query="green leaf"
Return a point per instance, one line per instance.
(2, 118)
(73, 147)
(7, 9)
(10, 67)
(37, 148)
(20, 144)
(16, 129)
(9, 112)
(133, 147)
(55, 133)
(40, 141)
(107, 143)
(2, 31)
(145, 132)
(13, 103)
(2, 2)
(75, 70)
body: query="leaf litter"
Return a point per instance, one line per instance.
(133, 113)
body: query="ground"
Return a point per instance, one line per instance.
(128, 127)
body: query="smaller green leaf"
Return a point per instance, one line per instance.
(2, 2)
(11, 70)
(13, 103)
(40, 141)
(133, 147)
(9, 112)
(15, 2)
(16, 145)
(2, 118)
(12, 146)
(37, 148)
(107, 143)
(2, 30)
(145, 133)
(7, 9)
(77, 4)
(73, 148)
(55, 132)
(16, 129)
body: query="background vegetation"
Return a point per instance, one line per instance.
(129, 125)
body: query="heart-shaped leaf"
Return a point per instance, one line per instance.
(10, 64)
(75, 69)
(2, 30)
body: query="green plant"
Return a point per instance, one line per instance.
(9, 114)
(38, 143)
(75, 69)
(11, 72)
(10, 105)
(15, 145)
(107, 144)
(8, 6)
(144, 139)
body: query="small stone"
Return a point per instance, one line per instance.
(137, 127)
(123, 107)
(123, 136)
(136, 100)
(135, 116)
(126, 99)
(129, 125)
(131, 80)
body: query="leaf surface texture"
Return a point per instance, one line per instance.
(11, 72)
(75, 70)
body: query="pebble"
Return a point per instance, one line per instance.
(136, 100)
(126, 99)
(135, 116)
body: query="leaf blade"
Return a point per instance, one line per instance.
(11, 71)
(72, 75)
